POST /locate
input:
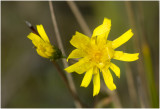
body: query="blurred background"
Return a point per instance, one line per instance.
(30, 81)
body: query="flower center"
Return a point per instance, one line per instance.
(97, 56)
(101, 56)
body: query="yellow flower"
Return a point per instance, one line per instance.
(43, 45)
(95, 56)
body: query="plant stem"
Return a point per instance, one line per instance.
(141, 75)
(147, 58)
(131, 85)
(79, 18)
(71, 86)
(103, 102)
(67, 83)
(113, 94)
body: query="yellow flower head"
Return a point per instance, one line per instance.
(43, 45)
(95, 56)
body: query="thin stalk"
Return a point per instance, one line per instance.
(79, 18)
(131, 85)
(67, 83)
(144, 100)
(147, 59)
(87, 31)
(103, 102)
(78, 103)
(113, 94)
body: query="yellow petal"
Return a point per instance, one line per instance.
(122, 39)
(80, 40)
(36, 40)
(115, 69)
(108, 79)
(77, 53)
(42, 33)
(103, 29)
(42, 53)
(119, 55)
(49, 48)
(49, 54)
(96, 84)
(87, 78)
(100, 33)
(80, 67)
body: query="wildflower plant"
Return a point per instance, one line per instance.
(95, 55)
(43, 45)
(46, 50)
